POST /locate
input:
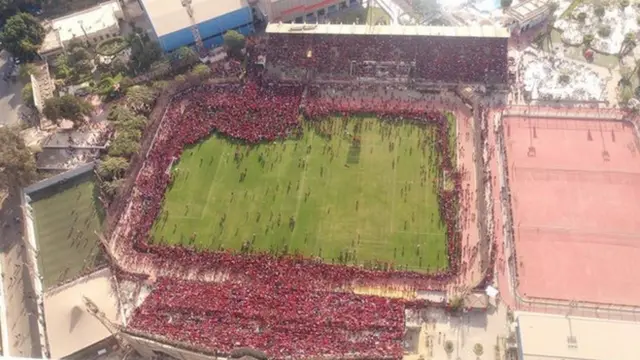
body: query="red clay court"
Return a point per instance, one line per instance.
(576, 198)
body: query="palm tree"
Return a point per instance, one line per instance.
(448, 347)
(628, 44)
(478, 350)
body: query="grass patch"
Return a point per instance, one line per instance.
(66, 218)
(349, 191)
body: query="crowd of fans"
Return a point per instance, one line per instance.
(449, 59)
(280, 321)
(311, 318)
(489, 243)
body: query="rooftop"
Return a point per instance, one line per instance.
(70, 327)
(88, 21)
(352, 29)
(168, 16)
(528, 9)
(557, 337)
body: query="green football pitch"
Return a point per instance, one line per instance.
(66, 219)
(350, 191)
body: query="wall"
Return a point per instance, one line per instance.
(289, 10)
(211, 31)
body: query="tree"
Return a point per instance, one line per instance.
(201, 70)
(80, 60)
(112, 168)
(120, 113)
(505, 3)
(125, 120)
(118, 66)
(448, 347)
(624, 3)
(108, 86)
(140, 98)
(135, 123)
(604, 31)
(110, 188)
(628, 43)
(599, 10)
(564, 79)
(26, 70)
(10, 7)
(124, 146)
(582, 17)
(234, 42)
(587, 39)
(61, 68)
(478, 349)
(22, 36)
(144, 52)
(67, 107)
(183, 57)
(17, 164)
(27, 95)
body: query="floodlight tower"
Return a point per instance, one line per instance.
(194, 26)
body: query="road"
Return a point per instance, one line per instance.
(24, 339)
(10, 95)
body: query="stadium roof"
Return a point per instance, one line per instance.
(70, 328)
(557, 337)
(168, 16)
(353, 29)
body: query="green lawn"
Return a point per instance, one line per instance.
(316, 196)
(65, 223)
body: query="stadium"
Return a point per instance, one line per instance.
(339, 192)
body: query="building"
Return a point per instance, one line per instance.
(309, 11)
(70, 326)
(558, 337)
(91, 25)
(172, 24)
(527, 14)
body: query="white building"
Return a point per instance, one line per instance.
(558, 337)
(91, 25)
(527, 14)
